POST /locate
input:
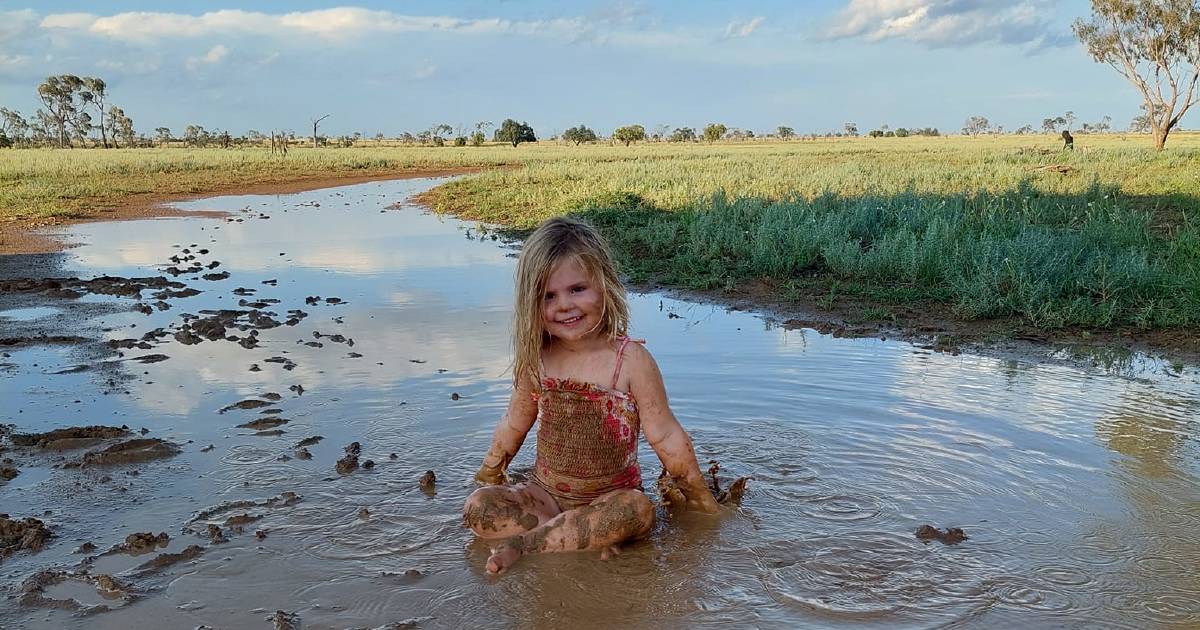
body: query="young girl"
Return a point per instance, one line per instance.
(593, 389)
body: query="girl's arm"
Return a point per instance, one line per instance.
(664, 433)
(509, 434)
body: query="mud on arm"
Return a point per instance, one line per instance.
(509, 435)
(664, 433)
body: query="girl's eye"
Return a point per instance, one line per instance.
(578, 289)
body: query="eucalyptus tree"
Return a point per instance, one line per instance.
(57, 94)
(1153, 44)
(714, 132)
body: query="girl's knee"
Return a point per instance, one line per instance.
(496, 511)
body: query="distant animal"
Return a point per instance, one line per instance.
(1068, 140)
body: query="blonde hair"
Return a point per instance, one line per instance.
(556, 240)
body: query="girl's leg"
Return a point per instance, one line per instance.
(614, 518)
(506, 511)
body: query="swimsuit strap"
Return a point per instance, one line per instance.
(620, 357)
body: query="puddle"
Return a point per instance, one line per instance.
(1076, 483)
(28, 314)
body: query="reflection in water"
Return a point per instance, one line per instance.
(1077, 486)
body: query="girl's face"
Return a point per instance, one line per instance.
(572, 305)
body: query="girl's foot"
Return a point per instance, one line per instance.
(503, 557)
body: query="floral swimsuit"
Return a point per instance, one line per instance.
(586, 439)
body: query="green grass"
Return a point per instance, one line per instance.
(977, 225)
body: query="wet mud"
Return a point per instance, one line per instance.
(950, 536)
(22, 534)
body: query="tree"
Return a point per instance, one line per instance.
(14, 126)
(436, 131)
(785, 132)
(514, 132)
(976, 125)
(579, 135)
(629, 134)
(93, 93)
(1155, 45)
(195, 135)
(57, 94)
(1069, 119)
(477, 139)
(683, 134)
(1049, 125)
(163, 135)
(714, 132)
(120, 125)
(901, 132)
(1027, 129)
(851, 128)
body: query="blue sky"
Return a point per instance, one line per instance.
(406, 65)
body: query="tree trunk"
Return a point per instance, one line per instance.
(1160, 137)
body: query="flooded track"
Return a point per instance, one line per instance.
(1076, 482)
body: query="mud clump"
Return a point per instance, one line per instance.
(303, 453)
(428, 481)
(263, 423)
(245, 404)
(33, 589)
(130, 451)
(285, 620)
(15, 535)
(349, 463)
(8, 473)
(215, 534)
(952, 535)
(164, 560)
(73, 437)
(309, 441)
(145, 541)
(731, 495)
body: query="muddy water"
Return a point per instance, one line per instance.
(1076, 483)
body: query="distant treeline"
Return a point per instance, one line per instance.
(76, 112)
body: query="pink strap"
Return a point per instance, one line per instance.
(620, 357)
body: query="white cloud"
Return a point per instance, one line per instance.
(424, 72)
(212, 57)
(743, 29)
(948, 22)
(336, 23)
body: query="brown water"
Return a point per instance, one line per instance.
(1076, 483)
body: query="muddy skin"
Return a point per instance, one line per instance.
(309, 441)
(16, 535)
(491, 512)
(130, 451)
(952, 535)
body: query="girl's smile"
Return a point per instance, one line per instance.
(571, 304)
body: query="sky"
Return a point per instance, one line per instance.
(406, 65)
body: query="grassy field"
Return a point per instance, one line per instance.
(1105, 236)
